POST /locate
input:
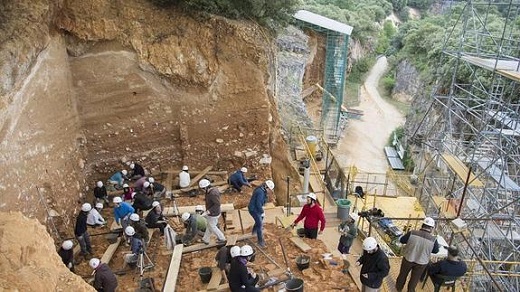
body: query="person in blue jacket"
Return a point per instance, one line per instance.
(256, 208)
(122, 211)
(238, 179)
(118, 179)
(451, 267)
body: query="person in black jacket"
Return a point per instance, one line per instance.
(81, 232)
(240, 279)
(66, 254)
(137, 171)
(155, 218)
(142, 202)
(100, 193)
(104, 278)
(375, 266)
(450, 267)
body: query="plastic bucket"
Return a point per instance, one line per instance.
(205, 274)
(343, 209)
(303, 262)
(294, 285)
(312, 141)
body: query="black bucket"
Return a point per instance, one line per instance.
(303, 262)
(205, 274)
(300, 232)
(294, 285)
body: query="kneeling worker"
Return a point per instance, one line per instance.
(104, 278)
(136, 246)
(240, 278)
(195, 225)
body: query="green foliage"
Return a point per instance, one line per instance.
(420, 4)
(360, 68)
(385, 35)
(389, 83)
(398, 5)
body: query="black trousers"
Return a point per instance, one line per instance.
(311, 233)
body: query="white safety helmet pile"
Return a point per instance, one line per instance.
(243, 169)
(124, 172)
(312, 196)
(185, 168)
(246, 250)
(428, 221)
(67, 244)
(234, 251)
(134, 217)
(151, 180)
(270, 184)
(155, 204)
(99, 205)
(99, 184)
(86, 207)
(185, 216)
(130, 231)
(204, 183)
(94, 263)
(369, 244)
(117, 200)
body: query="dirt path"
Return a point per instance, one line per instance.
(365, 138)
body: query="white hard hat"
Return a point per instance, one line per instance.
(270, 184)
(67, 244)
(155, 204)
(428, 221)
(130, 231)
(243, 169)
(134, 217)
(185, 216)
(99, 205)
(99, 184)
(117, 200)
(124, 172)
(94, 263)
(132, 165)
(199, 208)
(185, 167)
(246, 250)
(312, 196)
(125, 186)
(151, 180)
(204, 183)
(86, 207)
(369, 243)
(146, 184)
(234, 251)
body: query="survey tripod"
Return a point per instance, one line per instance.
(143, 262)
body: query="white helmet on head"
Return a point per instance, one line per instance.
(155, 204)
(243, 169)
(99, 184)
(86, 207)
(234, 251)
(132, 165)
(185, 168)
(204, 183)
(428, 221)
(151, 180)
(125, 186)
(99, 205)
(67, 244)
(246, 250)
(130, 231)
(134, 217)
(117, 200)
(94, 263)
(369, 243)
(146, 184)
(199, 208)
(185, 216)
(270, 184)
(124, 172)
(312, 196)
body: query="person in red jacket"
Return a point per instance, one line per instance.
(313, 214)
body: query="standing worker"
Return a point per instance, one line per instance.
(66, 254)
(212, 199)
(104, 278)
(313, 215)
(94, 218)
(256, 209)
(420, 244)
(348, 231)
(81, 231)
(122, 211)
(155, 218)
(238, 179)
(100, 193)
(184, 177)
(375, 266)
(137, 171)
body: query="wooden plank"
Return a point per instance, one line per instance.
(184, 190)
(109, 253)
(199, 176)
(462, 170)
(168, 183)
(276, 273)
(223, 287)
(201, 246)
(195, 172)
(300, 244)
(150, 234)
(216, 276)
(232, 239)
(169, 211)
(173, 269)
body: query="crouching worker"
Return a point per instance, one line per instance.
(240, 278)
(116, 181)
(238, 179)
(224, 256)
(155, 218)
(104, 278)
(448, 269)
(94, 218)
(122, 211)
(195, 225)
(139, 227)
(66, 254)
(136, 247)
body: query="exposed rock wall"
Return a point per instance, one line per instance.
(407, 82)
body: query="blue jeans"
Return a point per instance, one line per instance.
(258, 227)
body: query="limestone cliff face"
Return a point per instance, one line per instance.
(407, 82)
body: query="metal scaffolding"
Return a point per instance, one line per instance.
(468, 143)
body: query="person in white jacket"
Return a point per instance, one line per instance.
(94, 217)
